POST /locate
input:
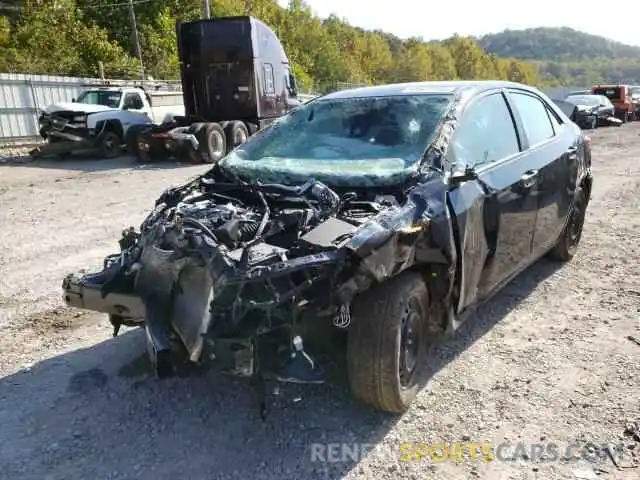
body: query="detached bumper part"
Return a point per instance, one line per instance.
(86, 292)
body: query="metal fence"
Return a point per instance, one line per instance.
(23, 97)
(562, 92)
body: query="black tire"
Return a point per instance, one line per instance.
(236, 133)
(213, 144)
(142, 155)
(566, 246)
(110, 144)
(623, 117)
(131, 138)
(376, 339)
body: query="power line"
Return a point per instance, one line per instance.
(119, 4)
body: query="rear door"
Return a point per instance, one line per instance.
(552, 158)
(495, 214)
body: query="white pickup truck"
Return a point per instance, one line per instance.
(101, 117)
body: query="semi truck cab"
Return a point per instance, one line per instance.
(236, 79)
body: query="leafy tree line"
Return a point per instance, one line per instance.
(73, 36)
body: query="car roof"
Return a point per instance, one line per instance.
(455, 87)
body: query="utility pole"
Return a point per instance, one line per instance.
(136, 38)
(207, 9)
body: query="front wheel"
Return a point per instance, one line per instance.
(566, 246)
(110, 144)
(387, 342)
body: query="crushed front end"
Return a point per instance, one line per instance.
(226, 271)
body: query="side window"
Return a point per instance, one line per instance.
(535, 117)
(486, 133)
(267, 70)
(132, 101)
(554, 120)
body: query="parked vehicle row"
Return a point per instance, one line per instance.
(389, 213)
(602, 105)
(236, 79)
(589, 111)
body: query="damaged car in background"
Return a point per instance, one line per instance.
(389, 212)
(593, 111)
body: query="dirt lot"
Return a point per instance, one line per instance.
(548, 360)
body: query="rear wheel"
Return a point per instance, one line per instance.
(387, 342)
(131, 138)
(566, 246)
(236, 133)
(213, 145)
(142, 149)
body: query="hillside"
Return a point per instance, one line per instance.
(555, 44)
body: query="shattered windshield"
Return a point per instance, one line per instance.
(365, 141)
(101, 97)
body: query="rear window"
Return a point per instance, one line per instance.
(612, 93)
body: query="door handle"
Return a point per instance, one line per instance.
(528, 180)
(573, 152)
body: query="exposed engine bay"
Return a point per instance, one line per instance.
(225, 270)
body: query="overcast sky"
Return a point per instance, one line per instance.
(437, 20)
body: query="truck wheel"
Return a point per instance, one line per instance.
(131, 138)
(387, 342)
(110, 144)
(213, 145)
(142, 154)
(237, 133)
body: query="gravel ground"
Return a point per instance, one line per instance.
(547, 360)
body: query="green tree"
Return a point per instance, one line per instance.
(74, 36)
(414, 62)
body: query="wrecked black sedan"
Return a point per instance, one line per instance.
(390, 212)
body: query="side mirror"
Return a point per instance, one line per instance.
(73, 100)
(294, 86)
